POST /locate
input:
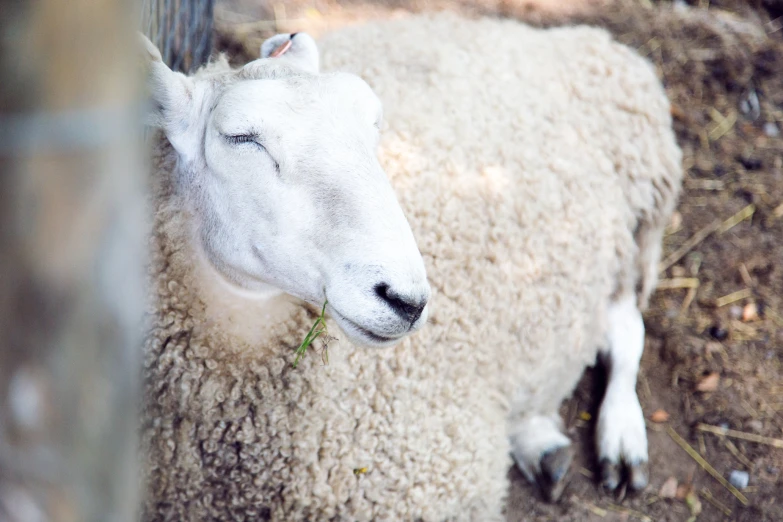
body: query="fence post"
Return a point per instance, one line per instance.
(71, 260)
(181, 29)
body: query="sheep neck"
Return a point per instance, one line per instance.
(246, 316)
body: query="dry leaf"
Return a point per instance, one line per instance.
(683, 490)
(659, 416)
(669, 488)
(709, 383)
(750, 312)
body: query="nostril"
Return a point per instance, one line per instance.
(409, 309)
(382, 290)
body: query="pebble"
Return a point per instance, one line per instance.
(750, 312)
(735, 311)
(771, 129)
(739, 479)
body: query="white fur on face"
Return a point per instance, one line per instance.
(281, 173)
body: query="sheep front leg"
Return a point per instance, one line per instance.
(542, 452)
(621, 436)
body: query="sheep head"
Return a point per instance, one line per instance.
(278, 164)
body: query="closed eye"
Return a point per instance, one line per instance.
(238, 139)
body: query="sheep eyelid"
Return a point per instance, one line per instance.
(238, 139)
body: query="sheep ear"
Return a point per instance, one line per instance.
(171, 97)
(296, 49)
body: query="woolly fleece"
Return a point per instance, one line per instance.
(526, 161)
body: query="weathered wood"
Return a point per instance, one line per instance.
(71, 244)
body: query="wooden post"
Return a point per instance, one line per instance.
(71, 260)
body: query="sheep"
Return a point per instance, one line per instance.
(478, 244)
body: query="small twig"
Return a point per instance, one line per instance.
(704, 233)
(702, 445)
(706, 465)
(707, 494)
(704, 141)
(750, 437)
(723, 126)
(645, 386)
(745, 274)
(705, 184)
(697, 238)
(745, 328)
(691, 294)
(737, 218)
(689, 297)
(750, 409)
(733, 297)
(678, 282)
(738, 454)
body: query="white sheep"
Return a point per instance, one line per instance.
(537, 169)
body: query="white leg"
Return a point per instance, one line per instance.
(542, 452)
(621, 435)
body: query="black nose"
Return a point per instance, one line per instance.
(408, 308)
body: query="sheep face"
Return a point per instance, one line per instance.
(278, 165)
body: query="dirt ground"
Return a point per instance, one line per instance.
(714, 353)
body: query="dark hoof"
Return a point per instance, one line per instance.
(610, 475)
(638, 476)
(554, 470)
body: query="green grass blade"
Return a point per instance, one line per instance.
(311, 336)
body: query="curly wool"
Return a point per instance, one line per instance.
(537, 169)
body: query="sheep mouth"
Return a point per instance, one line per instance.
(364, 333)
